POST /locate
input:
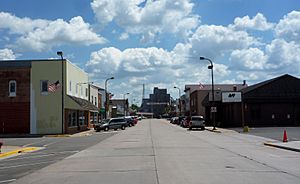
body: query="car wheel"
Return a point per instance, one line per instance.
(190, 128)
(202, 128)
(97, 129)
(106, 129)
(123, 127)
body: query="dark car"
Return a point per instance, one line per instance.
(113, 123)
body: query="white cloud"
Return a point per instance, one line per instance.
(258, 22)
(18, 25)
(248, 59)
(7, 54)
(59, 32)
(283, 56)
(213, 41)
(40, 35)
(148, 18)
(124, 36)
(288, 28)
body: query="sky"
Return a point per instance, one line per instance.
(157, 42)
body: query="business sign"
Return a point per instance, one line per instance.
(231, 97)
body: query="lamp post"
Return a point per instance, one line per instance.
(60, 53)
(179, 100)
(106, 99)
(125, 102)
(213, 108)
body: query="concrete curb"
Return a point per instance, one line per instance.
(215, 131)
(59, 135)
(17, 151)
(281, 147)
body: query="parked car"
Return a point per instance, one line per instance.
(113, 123)
(129, 121)
(185, 122)
(197, 122)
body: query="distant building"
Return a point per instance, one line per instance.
(198, 93)
(119, 107)
(157, 103)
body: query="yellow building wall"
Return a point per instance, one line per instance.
(46, 107)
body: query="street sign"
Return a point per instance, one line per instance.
(231, 97)
(213, 109)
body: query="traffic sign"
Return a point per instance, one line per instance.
(213, 109)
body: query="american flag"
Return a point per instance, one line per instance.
(53, 87)
(201, 86)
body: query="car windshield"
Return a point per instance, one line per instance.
(197, 119)
(104, 121)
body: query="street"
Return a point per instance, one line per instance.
(157, 152)
(54, 149)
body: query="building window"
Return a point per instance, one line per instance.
(81, 91)
(81, 118)
(95, 101)
(70, 86)
(74, 119)
(44, 87)
(76, 89)
(12, 88)
(86, 92)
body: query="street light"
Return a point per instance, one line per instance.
(106, 100)
(60, 53)
(213, 109)
(124, 102)
(179, 93)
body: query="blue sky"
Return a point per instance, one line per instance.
(157, 43)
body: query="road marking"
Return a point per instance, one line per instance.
(52, 143)
(26, 145)
(6, 181)
(22, 165)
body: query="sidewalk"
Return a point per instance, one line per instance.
(7, 150)
(292, 146)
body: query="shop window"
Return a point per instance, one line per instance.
(81, 118)
(74, 118)
(12, 87)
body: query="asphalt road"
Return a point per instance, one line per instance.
(54, 149)
(275, 133)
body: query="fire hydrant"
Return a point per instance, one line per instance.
(1, 143)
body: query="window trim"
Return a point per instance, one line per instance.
(12, 94)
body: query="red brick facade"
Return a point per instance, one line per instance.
(15, 111)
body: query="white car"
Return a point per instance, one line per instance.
(197, 122)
